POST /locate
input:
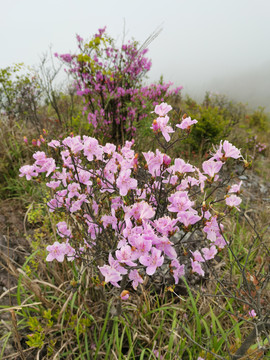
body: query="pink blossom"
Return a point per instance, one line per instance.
(125, 256)
(125, 182)
(209, 253)
(84, 177)
(73, 143)
(54, 184)
(28, 171)
(116, 265)
(54, 144)
(188, 217)
(179, 202)
(233, 201)
(111, 275)
(140, 246)
(136, 278)
(152, 261)
(196, 267)
(166, 225)
(92, 148)
(231, 150)
(73, 190)
(162, 109)
(139, 211)
(235, 188)
(181, 167)
(56, 251)
(154, 162)
(161, 124)
(177, 270)
(197, 256)
(186, 123)
(165, 245)
(40, 158)
(211, 167)
(63, 229)
(252, 313)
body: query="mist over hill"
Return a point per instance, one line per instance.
(251, 87)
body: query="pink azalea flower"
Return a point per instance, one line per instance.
(73, 143)
(233, 201)
(177, 270)
(63, 229)
(53, 184)
(188, 217)
(196, 267)
(54, 144)
(28, 171)
(84, 177)
(179, 202)
(211, 167)
(111, 275)
(209, 253)
(162, 109)
(73, 190)
(40, 158)
(186, 123)
(252, 313)
(140, 245)
(182, 167)
(161, 124)
(197, 256)
(56, 251)
(230, 150)
(116, 265)
(152, 261)
(48, 166)
(166, 225)
(125, 182)
(125, 255)
(139, 211)
(92, 148)
(136, 278)
(154, 162)
(165, 245)
(235, 188)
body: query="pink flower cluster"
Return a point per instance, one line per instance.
(110, 81)
(129, 205)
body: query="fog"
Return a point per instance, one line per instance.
(210, 45)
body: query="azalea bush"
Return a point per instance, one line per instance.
(121, 210)
(110, 80)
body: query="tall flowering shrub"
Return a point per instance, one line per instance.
(123, 208)
(110, 80)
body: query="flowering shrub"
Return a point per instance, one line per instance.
(124, 208)
(110, 81)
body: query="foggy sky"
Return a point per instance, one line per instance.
(216, 45)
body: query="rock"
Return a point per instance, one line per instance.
(243, 177)
(263, 189)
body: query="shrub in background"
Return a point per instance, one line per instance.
(216, 116)
(19, 93)
(110, 80)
